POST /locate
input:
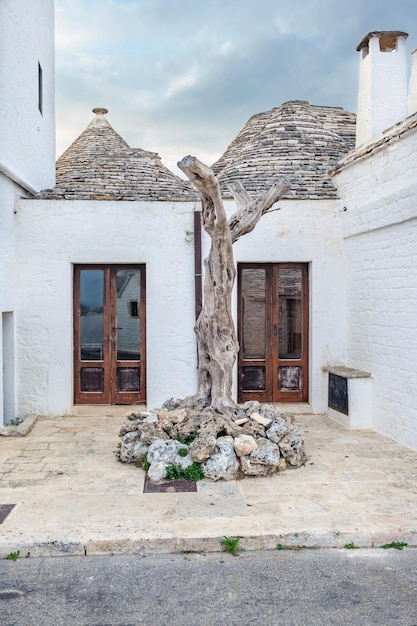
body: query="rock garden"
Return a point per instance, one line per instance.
(176, 442)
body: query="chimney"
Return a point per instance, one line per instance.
(412, 91)
(382, 93)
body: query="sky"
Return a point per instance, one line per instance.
(183, 76)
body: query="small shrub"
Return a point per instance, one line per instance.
(397, 545)
(182, 452)
(231, 545)
(350, 546)
(193, 472)
(117, 451)
(145, 465)
(187, 440)
(13, 555)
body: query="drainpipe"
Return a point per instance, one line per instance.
(17, 179)
(198, 296)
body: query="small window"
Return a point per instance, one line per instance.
(40, 89)
(133, 308)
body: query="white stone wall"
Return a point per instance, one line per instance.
(382, 90)
(27, 136)
(380, 235)
(54, 235)
(7, 200)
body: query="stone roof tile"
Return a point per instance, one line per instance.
(100, 165)
(298, 141)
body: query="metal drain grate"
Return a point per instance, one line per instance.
(5, 510)
(170, 486)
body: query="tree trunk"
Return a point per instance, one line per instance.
(217, 343)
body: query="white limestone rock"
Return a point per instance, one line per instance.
(292, 449)
(166, 451)
(223, 464)
(266, 453)
(277, 430)
(244, 445)
(250, 468)
(252, 406)
(202, 448)
(157, 471)
(260, 419)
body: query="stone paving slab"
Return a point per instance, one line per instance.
(72, 497)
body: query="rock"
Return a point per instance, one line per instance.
(202, 448)
(269, 411)
(223, 464)
(172, 403)
(250, 468)
(292, 449)
(129, 425)
(152, 418)
(129, 440)
(135, 453)
(252, 406)
(241, 421)
(260, 419)
(244, 444)
(277, 430)
(157, 471)
(266, 453)
(167, 452)
(150, 432)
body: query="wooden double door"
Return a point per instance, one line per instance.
(273, 306)
(109, 334)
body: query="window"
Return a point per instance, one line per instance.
(40, 89)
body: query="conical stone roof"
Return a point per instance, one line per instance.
(298, 141)
(100, 165)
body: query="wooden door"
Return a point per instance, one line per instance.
(273, 307)
(109, 334)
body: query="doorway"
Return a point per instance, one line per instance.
(109, 334)
(273, 306)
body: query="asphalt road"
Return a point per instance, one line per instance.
(310, 587)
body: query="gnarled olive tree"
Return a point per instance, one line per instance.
(216, 336)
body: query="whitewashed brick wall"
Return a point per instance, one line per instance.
(379, 228)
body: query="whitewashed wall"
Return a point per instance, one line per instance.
(7, 200)
(308, 232)
(380, 235)
(54, 235)
(27, 136)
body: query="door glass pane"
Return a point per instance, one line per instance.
(254, 313)
(128, 315)
(290, 313)
(91, 314)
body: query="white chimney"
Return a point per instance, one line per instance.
(382, 94)
(412, 89)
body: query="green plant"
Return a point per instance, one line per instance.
(13, 555)
(16, 421)
(193, 472)
(145, 465)
(117, 451)
(182, 452)
(350, 546)
(231, 545)
(187, 440)
(397, 545)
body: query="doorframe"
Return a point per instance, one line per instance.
(271, 346)
(107, 397)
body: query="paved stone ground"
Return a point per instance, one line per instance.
(73, 497)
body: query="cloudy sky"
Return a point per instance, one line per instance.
(183, 76)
